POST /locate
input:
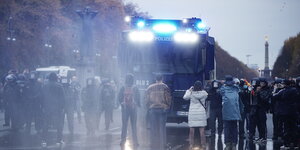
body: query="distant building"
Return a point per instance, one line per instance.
(253, 67)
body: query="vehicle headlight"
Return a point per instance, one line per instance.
(186, 37)
(141, 36)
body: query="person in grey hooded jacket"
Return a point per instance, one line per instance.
(231, 112)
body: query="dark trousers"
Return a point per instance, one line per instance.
(7, 114)
(108, 115)
(216, 114)
(230, 131)
(288, 128)
(275, 120)
(70, 119)
(158, 118)
(56, 120)
(90, 118)
(258, 118)
(129, 113)
(242, 124)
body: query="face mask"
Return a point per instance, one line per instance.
(253, 82)
(245, 86)
(215, 85)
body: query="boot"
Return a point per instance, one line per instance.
(228, 146)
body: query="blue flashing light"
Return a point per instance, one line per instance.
(201, 26)
(164, 28)
(141, 24)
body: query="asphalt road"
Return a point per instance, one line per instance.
(177, 136)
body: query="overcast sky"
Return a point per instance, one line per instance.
(239, 26)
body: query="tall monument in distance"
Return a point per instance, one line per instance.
(86, 65)
(266, 73)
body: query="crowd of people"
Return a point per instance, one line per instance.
(237, 106)
(27, 99)
(241, 107)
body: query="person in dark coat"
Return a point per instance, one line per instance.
(215, 100)
(287, 113)
(263, 93)
(107, 102)
(33, 104)
(277, 86)
(244, 100)
(90, 99)
(298, 106)
(129, 98)
(69, 105)
(53, 107)
(11, 101)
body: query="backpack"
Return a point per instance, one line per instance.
(128, 99)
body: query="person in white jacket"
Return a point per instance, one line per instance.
(197, 114)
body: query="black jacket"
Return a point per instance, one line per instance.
(264, 98)
(286, 101)
(215, 99)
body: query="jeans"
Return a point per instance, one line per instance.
(158, 118)
(129, 113)
(214, 115)
(230, 131)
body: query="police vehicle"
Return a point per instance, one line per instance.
(64, 72)
(181, 50)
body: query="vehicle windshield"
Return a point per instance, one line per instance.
(162, 57)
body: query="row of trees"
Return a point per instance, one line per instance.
(36, 24)
(287, 63)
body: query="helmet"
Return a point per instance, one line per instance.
(10, 78)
